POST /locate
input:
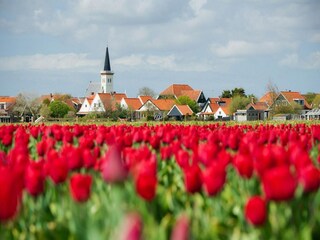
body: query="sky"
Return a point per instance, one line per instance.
(58, 46)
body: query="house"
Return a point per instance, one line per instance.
(101, 102)
(286, 98)
(314, 114)
(216, 108)
(106, 101)
(177, 90)
(222, 113)
(85, 107)
(156, 108)
(180, 112)
(74, 103)
(240, 115)
(6, 105)
(132, 105)
(257, 111)
(268, 98)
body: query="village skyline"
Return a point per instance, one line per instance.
(50, 47)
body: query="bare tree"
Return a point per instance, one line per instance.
(273, 90)
(27, 103)
(146, 91)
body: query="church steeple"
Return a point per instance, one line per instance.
(107, 66)
(106, 75)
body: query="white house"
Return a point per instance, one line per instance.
(86, 105)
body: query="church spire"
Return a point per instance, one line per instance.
(107, 66)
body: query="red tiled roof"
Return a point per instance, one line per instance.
(192, 94)
(258, 106)
(176, 90)
(184, 109)
(291, 96)
(227, 101)
(133, 103)
(225, 109)
(163, 104)
(268, 98)
(7, 99)
(214, 107)
(110, 100)
(143, 99)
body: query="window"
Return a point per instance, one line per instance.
(1, 105)
(99, 104)
(86, 105)
(94, 105)
(299, 101)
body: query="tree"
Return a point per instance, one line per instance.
(26, 104)
(145, 91)
(226, 94)
(273, 90)
(238, 92)
(234, 92)
(252, 98)
(45, 110)
(292, 108)
(185, 100)
(58, 109)
(238, 102)
(310, 96)
(316, 102)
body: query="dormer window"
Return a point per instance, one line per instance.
(299, 101)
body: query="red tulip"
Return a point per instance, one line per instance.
(255, 211)
(146, 184)
(279, 184)
(182, 158)
(80, 187)
(113, 168)
(213, 178)
(181, 229)
(192, 179)
(7, 140)
(72, 156)
(244, 165)
(57, 170)
(10, 194)
(310, 178)
(89, 160)
(131, 228)
(166, 152)
(34, 178)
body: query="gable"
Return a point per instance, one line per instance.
(174, 112)
(202, 98)
(148, 106)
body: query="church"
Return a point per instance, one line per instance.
(101, 97)
(106, 79)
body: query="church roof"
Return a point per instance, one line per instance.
(107, 66)
(93, 88)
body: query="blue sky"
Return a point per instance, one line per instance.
(59, 46)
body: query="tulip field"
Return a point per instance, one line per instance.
(165, 181)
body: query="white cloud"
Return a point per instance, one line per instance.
(63, 61)
(243, 48)
(197, 5)
(168, 62)
(310, 62)
(129, 61)
(315, 38)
